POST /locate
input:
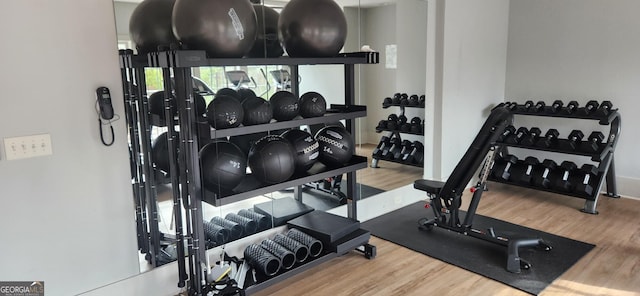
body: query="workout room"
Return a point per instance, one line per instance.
(319, 147)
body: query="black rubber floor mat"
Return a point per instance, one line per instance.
(484, 258)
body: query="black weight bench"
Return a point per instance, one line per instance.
(445, 197)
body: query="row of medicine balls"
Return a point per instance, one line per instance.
(230, 108)
(237, 28)
(274, 158)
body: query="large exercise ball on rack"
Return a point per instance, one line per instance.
(267, 43)
(228, 92)
(223, 166)
(272, 159)
(305, 147)
(336, 145)
(160, 151)
(225, 112)
(150, 25)
(312, 104)
(284, 105)
(156, 106)
(312, 28)
(246, 93)
(223, 28)
(256, 111)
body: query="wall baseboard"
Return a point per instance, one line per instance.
(627, 187)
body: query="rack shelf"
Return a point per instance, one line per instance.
(396, 161)
(250, 187)
(564, 148)
(385, 106)
(397, 131)
(578, 114)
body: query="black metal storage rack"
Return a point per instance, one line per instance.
(185, 172)
(395, 133)
(604, 156)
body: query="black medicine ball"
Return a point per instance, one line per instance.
(256, 111)
(223, 166)
(246, 93)
(284, 105)
(336, 145)
(160, 151)
(228, 92)
(305, 147)
(201, 104)
(225, 112)
(312, 104)
(246, 141)
(156, 106)
(272, 159)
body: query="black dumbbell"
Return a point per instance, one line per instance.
(575, 138)
(416, 125)
(563, 183)
(386, 102)
(413, 100)
(516, 137)
(405, 128)
(550, 138)
(590, 107)
(402, 119)
(604, 109)
(511, 105)
(404, 102)
(595, 139)
(392, 122)
(404, 96)
(539, 106)
(382, 125)
(531, 163)
(383, 145)
(502, 167)
(527, 105)
(571, 108)
(509, 130)
(556, 106)
(396, 99)
(416, 155)
(395, 145)
(421, 101)
(406, 149)
(532, 137)
(590, 174)
(542, 179)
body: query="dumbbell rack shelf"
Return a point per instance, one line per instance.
(185, 166)
(604, 155)
(396, 133)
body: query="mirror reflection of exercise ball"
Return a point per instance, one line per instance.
(267, 43)
(150, 25)
(312, 28)
(223, 28)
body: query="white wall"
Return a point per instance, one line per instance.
(67, 218)
(580, 50)
(469, 51)
(123, 11)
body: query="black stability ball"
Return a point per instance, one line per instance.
(305, 147)
(225, 112)
(272, 159)
(267, 43)
(256, 111)
(312, 104)
(223, 166)
(336, 145)
(284, 105)
(160, 151)
(223, 28)
(312, 28)
(156, 105)
(150, 25)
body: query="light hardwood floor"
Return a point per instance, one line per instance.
(612, 268)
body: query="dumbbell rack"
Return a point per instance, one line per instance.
(396, 134)
(188, 191)
(604, 155)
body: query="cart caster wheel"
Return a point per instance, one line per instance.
(525, 265)
(369, 251)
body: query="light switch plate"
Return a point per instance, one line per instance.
(27, 146)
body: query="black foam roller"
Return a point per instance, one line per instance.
(299, 250)
(314, 245)
(262, 260)
(215, 234)
(235, 230)
(287, 258)
(263, 221)
(250, 227)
